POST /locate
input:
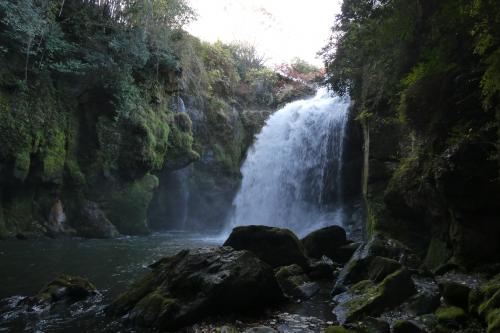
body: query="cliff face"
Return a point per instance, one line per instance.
(422, 76)
(91, 125)
(66, 150)
(437, 195)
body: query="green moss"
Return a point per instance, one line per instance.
(152, 308)
(372, 299)
(338, 329)
(75, 175)
(18, 213)
(54, 156)
(140, 288)
(493, 320)
(127, 207)
(76, 288)
(490, 304)
(22, 165)
(451, 315)
(480, 297)
(437, 253)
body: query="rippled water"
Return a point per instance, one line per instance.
(111, 265)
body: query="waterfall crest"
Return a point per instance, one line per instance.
(292, 174)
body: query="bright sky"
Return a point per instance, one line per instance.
(279, 29)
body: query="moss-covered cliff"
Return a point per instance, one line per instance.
(423, 78)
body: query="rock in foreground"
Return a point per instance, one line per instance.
(275, 246)
(196, 283)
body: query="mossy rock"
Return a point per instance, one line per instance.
(338, 329)
(493, 321)
(66, 288)
(295, 283)
(127, 207)
(452, 316)
(490, 304)
(479, 297)
(380, 267)
(405, 326)
(366, 299)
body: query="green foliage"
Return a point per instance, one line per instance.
(127, 207)
(54, 156)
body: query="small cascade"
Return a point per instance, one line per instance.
(183, 177)
(292, 176)
(178, 105)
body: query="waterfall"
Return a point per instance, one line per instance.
(292, 174)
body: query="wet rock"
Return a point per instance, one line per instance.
(345, 252)
(338, 329)
(67, 288)
(275, 246)
(322, 269)
(295, 283)
(451, 316)
(358, 266)
(260, 329)
(406, 326)
(21, 236)
(93, 223)
(325, 242)
(193, 284)
(367, 299)
(227, 329)
(380, 267)
(427, 299)
(370, 325)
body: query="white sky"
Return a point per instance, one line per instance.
(279, 29)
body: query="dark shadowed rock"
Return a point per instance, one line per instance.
(322, 269)
(275, 246)
(345, 252)
(370, 325)
(195, 283)
(427, 299)
(325, 242)
(93, 223)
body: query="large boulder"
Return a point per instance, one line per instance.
(325, 241)
(275, 246)
(378, 257)
(93, 223)
(193, 284)
(368, 299)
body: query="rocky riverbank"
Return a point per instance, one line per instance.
(265, 279)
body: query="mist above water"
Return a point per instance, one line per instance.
(292, 175)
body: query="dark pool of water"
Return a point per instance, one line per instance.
(111, 265)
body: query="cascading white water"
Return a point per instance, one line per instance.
(295, 161)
